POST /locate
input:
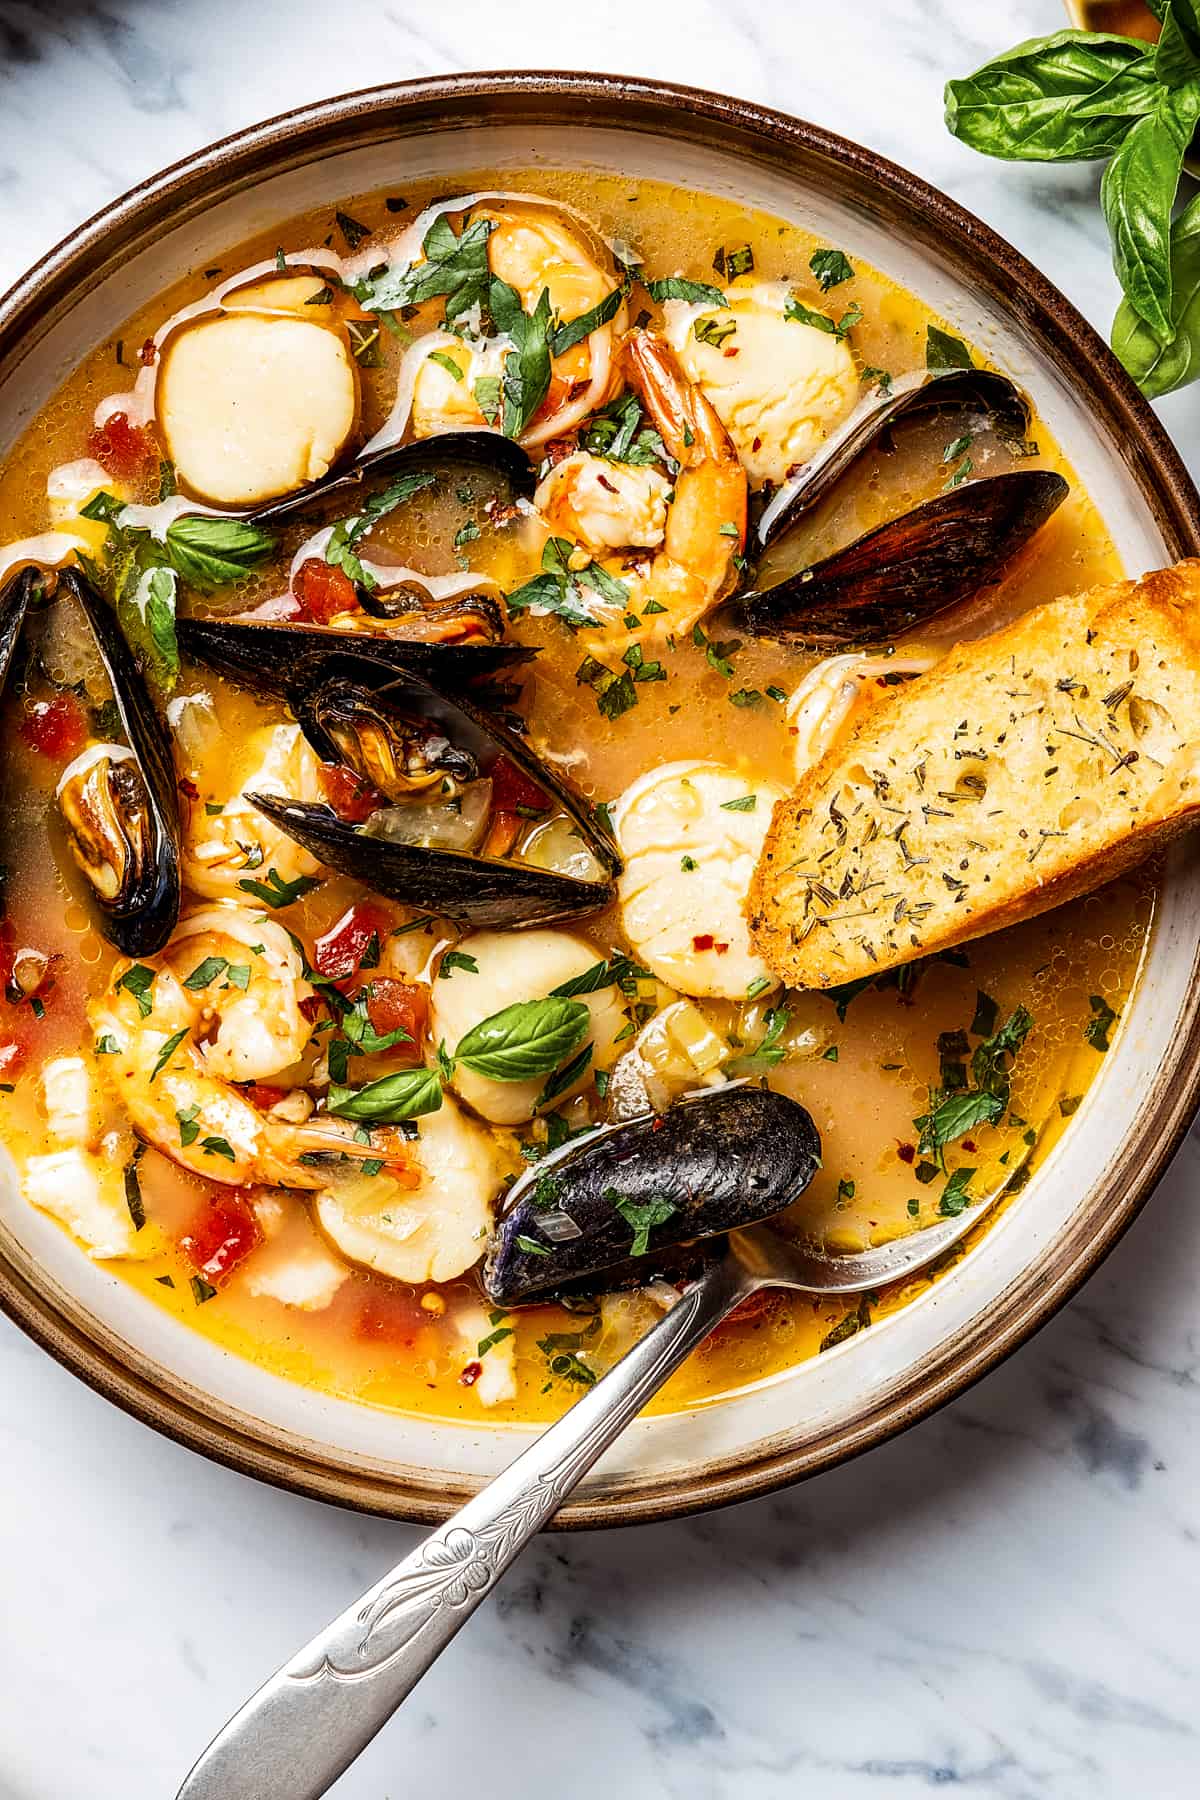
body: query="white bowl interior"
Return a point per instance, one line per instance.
(835, 1390)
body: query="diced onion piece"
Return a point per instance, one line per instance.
(558, 847)
(436, 824)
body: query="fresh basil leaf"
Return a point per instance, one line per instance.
(1138, 194)
(214, 553)
(1096, 1031)
(575, 330)
(643, 1216)
(677, 287)
(170, 1046)
(456, 267)
(410, 1094)
(525, 381)
(831, 267)
(205, 973)
(942, 351)
(954, 1117)
(955, 1197)
(138, 981)
(133, 1189)
(1158, 364)
(446, 362)
(158, 617)
(525, 1040)
(600, 975)
(351, 229)
(1069, 97)
(1177, 53)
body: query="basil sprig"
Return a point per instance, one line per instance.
(456, 267)
(526, 373)
(1080, 95)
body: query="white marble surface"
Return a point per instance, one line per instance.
(1002, 1602)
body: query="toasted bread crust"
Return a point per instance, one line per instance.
(1025, 769)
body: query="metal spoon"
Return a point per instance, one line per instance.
(306, 1725)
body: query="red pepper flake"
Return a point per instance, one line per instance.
(323, 591)
(704, 942)
(222, 1235)
(351, 798)
(558, 449)
(969, 1146)
(122, 448)
(501, 512)
(188, 788)
(606, 484)
(906, 1152)
(471, 1374)
(55, 727)
(148, 354)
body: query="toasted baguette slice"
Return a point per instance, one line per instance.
(1025, 769)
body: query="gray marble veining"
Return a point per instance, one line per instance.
(1002, 1602)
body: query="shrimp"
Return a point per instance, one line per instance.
(705, 528)
(533, 250)
(224, 847)
(225, 1003)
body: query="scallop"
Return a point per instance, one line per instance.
(253, 405)
(514, 967)
(433, 1232)
(788, 386)
(691, 834)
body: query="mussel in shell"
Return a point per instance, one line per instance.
(908, 570)
(458, 792)
(19, 593)
(965, 390)
(118, 801)
(275, 658)
(711, 1164)
(484, 450)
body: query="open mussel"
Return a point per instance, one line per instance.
(119, 801)
(18, 594)
(908, 570)
(909, 396)
(711, 1164)
(460, 811)
(487, 451)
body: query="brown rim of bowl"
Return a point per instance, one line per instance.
(788, 146)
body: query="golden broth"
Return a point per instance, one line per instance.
(864, 1069)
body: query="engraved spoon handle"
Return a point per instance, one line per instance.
(305, 1726)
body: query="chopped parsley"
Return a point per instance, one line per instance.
(831, 268)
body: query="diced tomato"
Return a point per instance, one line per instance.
(123, 448)
(395, 1006)
(339, 953)
(222, 1235)
(390, 1315)
(323, 591)
(512, 788)
(263, 1097)
(471, 1373)
(12, 1058)
(55, 727)
(351, 798)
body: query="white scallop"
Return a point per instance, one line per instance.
(66, 1095)
(430, 1233)
(779, 386)
(693, 811)
(513, 967)
(254, 405)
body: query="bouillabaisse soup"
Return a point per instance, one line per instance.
(291, 1123)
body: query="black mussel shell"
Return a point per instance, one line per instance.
(411, 601)
(976, 390)
(486, 450)
(476, 890)
(906, 571)
(143, 914)
(273, 658)
(20, 592)
(720, 1161)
